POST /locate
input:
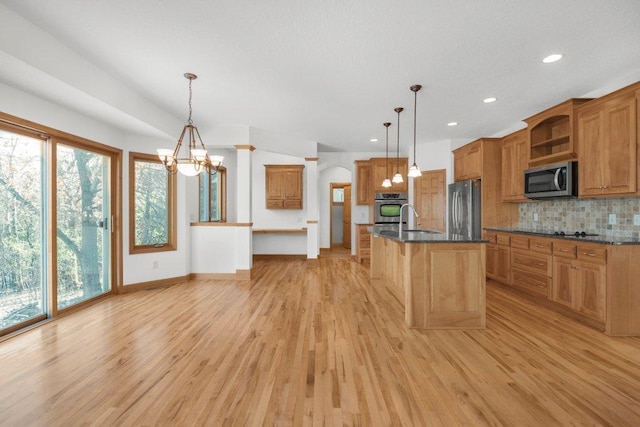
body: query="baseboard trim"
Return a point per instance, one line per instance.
(152, 284)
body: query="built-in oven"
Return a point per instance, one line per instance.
(557, 180)
(387, 207)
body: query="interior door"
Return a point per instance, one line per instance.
(346, 229)
(429, 199)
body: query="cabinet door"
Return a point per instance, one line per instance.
(458, 166)
(492, 257)
(275, 184)
(429, 199)
(521, 162)
(564, 288)
(503, 264)
(619, 151)
(364, 187)
(591, 139)
(592, 289)
(292, 184)
(473, 162)
(508, 166)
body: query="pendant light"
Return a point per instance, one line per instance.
(198, 160)
(386, 183)
(414, 170)
(397, 178)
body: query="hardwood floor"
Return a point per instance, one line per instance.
(298, 346)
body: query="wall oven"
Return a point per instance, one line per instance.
(557, 180)
(387, 207)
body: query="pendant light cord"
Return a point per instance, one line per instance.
(415, 104)
(190, 95)
(398, 146)
(387, 162)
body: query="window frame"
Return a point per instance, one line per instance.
(172, 238)
(222, 183)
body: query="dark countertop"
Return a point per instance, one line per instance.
(604, 239)
(420, 236)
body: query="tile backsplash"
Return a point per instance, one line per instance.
(590, 215)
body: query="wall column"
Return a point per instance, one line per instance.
(313, 213)
(244, 254)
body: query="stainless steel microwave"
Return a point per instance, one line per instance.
(549, 181)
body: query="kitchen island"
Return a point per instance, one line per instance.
(438, 278)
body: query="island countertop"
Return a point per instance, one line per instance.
(420, 235)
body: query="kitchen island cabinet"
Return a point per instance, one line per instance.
(439, 279)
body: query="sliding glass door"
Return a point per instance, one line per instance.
(22, 237)
(83, 225)
(57, 245)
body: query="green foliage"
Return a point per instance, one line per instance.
(151, 203)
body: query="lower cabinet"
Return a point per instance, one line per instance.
(498, 257)
(531, 265)
(581, 285)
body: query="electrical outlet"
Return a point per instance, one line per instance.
(155, 265)
(612, 218)
(535, 216)
(636, 219)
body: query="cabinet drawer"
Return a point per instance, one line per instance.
(275, 204)
(542, 246)
(293, 204)
(491, 237)
(564, 249)
(365, 253)
(365, 242)
(532, 283)
(596, 254)
(503, 239)
(532, 262)
(520, 242)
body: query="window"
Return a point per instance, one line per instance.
(213, 196)
(152, 205)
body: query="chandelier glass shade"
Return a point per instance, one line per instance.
(196, 159)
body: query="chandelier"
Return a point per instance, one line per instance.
(197, 159)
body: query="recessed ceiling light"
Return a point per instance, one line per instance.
(452, 124)
(373, 140)
(552, 58)
(490, 100)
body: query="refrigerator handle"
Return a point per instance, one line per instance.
(459, 210)
(457, 204)
(454, 200)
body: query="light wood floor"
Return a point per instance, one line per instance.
(318, 346)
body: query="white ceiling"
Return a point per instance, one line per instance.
(326, 71)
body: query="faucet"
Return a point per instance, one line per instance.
(400, 225)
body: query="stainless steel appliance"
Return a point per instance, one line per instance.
(465, 209)
(557, 180)
(387, 207)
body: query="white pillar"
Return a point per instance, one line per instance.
(244, 255)
(313, 242)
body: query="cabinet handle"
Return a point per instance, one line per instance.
(562, 250)
(588, 254)
(539, 263)
(539, 246)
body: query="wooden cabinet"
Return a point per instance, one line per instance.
(363, 243)
(580, 284)
(283, 186)
(498, 257)
(607, 133)
(379, 166)
(551, 133)
(514, 162)
(364, 182)
(467, 162)
(483, 159)
(531, 265)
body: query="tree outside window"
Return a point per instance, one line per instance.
(212, 195)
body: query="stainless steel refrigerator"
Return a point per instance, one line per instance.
(465, 209)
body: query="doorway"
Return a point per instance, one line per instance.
(340, 214)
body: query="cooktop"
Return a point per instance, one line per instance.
(576, 234)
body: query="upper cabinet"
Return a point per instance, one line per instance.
(364, 182)
(467, 162)
(514, 162)
(551, 133)
(608, 137)
(283, 186)
(380, 173)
